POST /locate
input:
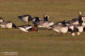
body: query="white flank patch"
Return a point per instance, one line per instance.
(64, 29)
(25, 19)
(9, 25)
(46, 25)
(22, 29)
(61, 29)
(71, 27)
(80, 28)
(52, 23)
(57, 30)
(27, 28)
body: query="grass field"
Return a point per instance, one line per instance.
(44, 42)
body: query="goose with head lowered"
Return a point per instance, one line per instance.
(45, 23)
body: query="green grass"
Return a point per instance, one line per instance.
(44, 42)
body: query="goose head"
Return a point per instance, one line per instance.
(46, 17)
(36, 19)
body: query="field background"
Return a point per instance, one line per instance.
(44, 42)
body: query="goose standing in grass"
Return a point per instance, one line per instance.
(43, 23)
(25, 18)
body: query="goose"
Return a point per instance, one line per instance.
(43, 23)
(25, 18)
(7, 24)
(27, 28)
(79, 24)
(73, 26)
(66, 27)
(60, 28)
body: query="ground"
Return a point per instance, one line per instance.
(44, 42)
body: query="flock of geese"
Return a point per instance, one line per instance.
(74, 26)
